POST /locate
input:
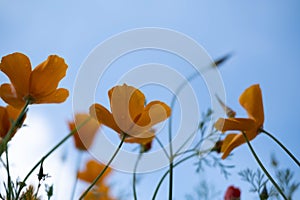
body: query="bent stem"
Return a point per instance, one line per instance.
(23, 183)
(105, 168)
(282, 146)
(134, 175)
(263, 168)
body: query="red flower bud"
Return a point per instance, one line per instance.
(232, 193)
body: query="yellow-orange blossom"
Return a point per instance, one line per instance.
(129, 115)
(7, 115)
(251, 100)
(38, 85)
(84, 137)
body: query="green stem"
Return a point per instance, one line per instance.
(78, 162)
(8, 176)
(171, 178)
(263, 168)
(166, 173)
(23, 183)
(105, 168)
(282, 146)
(16, 123)
(134, 176)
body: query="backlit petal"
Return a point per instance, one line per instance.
(57, 96)
(241, 124)
(126, 104)
(251, 100)
(13, 112)
(45, 77)
(9, 95)
(104, 116)
(18, 68)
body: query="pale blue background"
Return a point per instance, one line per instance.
(263, 35)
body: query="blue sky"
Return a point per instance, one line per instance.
(263, 36)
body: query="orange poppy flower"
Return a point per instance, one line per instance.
(84, 137)
(99, 193)
(92, 170)
(251, 100)
(38, 85)
(129, 115)
(8, 114)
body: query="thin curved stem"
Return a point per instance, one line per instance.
(23, 183)
(105, 168)
(134, 176)
(282, 146)
(78, 162)
(263, 168)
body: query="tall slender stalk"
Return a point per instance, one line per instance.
(263, 168)
(9, 183)
(282, 146)
(105, 168)
(78, 162)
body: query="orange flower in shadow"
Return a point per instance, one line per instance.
(102, 192)
(84, 137)
(38, 85)
(251, 100)
(129, 115)
(8, 114)
(92, 170)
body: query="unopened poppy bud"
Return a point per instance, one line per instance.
(218, 146)
(264, 194)
(232, 193)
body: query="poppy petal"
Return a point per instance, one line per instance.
(45, 77)
(143, 138)
(92, 170)
(155, 112)
(58, 96)
(13, 112)
(234, 140)
(251, 100)
(5, 123)
(9, 95)
(85, 135)
(241, 124)
(104, 116)
(18, 68)
(126, 104)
